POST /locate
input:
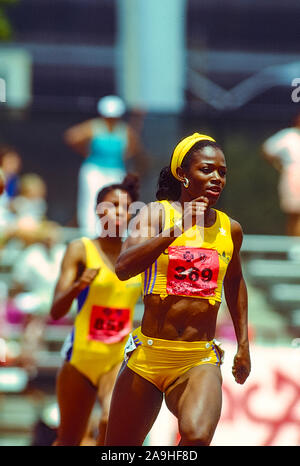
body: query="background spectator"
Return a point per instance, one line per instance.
(107, 143)
(11, 164)
(282, 150)
(34, 277)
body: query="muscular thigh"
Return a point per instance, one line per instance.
(197, 395)
(76, 396)
(105, 387)
(134, 407)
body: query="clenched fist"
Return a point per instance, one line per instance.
(87, 278)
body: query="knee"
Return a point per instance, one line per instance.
(66, 442)
(103, 420)
(197, 435)
(68, 437)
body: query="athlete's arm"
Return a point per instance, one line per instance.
(147, 241)
(144, 243)
(237, 301)
(73, 278)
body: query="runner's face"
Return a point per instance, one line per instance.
(207, 174)
(116, 211)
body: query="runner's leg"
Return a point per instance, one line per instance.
(76, 396)
(195, 399)
(134, 407)
(105, 389)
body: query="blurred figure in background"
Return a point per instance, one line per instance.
(34, 274)
(31, 201)
(25, 212)
(3, 289)
(282, 150)
(27, 253)
(2, 181)
(10, 164)
(107, 143)
(33, 281)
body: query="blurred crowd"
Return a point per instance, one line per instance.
(31, 250)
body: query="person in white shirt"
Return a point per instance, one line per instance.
(107, 144)
(34, 278)
(36, 269)
(282, 150)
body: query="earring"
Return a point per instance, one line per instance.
(186, 182)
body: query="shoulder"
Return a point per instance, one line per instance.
(75, 250)
(97, 125)
(151, 210)
(82, 126)
(277, 138)
(281, 134)
(236, 233)
(156, 212)
(148, 221)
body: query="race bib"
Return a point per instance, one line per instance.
(108, 324)
(192, 271)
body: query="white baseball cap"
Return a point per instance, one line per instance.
(111, 106)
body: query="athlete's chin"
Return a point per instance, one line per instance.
(212, 197)
(212, 202)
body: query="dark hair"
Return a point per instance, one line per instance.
(130, 184)
(168, 187)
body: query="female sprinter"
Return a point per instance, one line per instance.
(186, 252)
(95, 348)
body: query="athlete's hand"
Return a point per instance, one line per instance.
(241, 365)
(194, 212)
(87, 278)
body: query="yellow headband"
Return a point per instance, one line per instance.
(182, 149)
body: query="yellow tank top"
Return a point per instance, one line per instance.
(195, 263)
(105, 308)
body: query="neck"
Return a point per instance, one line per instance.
(185, 197)
(112, 244)
(110, 124)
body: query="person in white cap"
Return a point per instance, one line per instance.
(107, 143)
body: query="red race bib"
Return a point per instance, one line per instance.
(108, 324)
(192, 271)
